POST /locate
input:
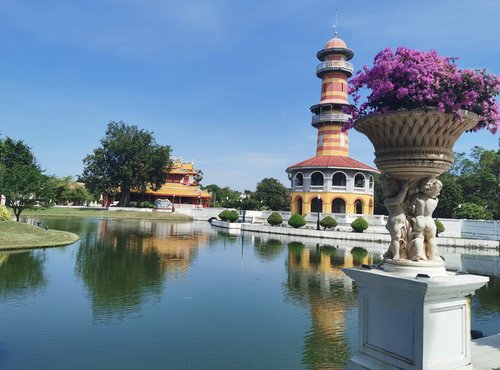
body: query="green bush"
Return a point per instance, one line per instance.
(328, 223)
(223, 215)
(275, 219)
(145, 204)
(229, 216)
(5, 214)
(296, 221)
(232, 216)
(439, 226)
(359, 225)
(472, 211)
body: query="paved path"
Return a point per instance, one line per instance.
(486, 353)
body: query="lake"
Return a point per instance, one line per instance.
(135, 294)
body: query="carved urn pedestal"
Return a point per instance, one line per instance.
(412, 313)
(413, 323)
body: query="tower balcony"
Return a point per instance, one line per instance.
(334, 65)
(325, 118)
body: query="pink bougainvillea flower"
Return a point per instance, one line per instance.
(412, 79)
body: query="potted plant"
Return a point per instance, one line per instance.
(418, 105)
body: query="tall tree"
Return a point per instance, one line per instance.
(451, 196)
(273, 194)
(128, 158)
(22, 181)
(479, 178)
(223, 197)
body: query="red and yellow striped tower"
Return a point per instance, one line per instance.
(328, 114)
(332, 182)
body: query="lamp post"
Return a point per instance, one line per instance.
(317, 223)
(244, 197)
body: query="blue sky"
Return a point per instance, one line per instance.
(226, 83)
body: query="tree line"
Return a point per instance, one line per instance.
(471, 187)
(130, 158)
(269, 194)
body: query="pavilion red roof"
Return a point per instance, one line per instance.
(333, 161)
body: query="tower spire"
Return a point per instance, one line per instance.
(336, 22)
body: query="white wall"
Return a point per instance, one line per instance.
(470, 229)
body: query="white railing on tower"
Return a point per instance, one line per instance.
(330, 117)
(333, 64)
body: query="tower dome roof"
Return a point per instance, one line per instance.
(335, 43)
(335, 46)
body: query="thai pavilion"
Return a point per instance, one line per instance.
(331, 181)
(180, 190)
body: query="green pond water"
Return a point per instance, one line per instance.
(135, 294)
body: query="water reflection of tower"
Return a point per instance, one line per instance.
(315, 278)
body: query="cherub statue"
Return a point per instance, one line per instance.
(397, 224)
(423, 229)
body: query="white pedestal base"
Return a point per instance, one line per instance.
(413, 323)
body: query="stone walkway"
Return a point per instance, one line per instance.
(486, 353)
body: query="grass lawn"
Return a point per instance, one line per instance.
(104, 213)
(17, 235)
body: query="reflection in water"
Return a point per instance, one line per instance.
(268, 249)
(489, 295)
(315, 278)
(21, 273)
(128, 262)
(229, 307)
(485, 305)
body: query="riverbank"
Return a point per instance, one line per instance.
(17, 235)
(104, 213)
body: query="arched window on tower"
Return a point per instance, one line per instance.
(298, 205)
(358, 207)
(316, 205)
(317, 179)
(299, 180)
(371, 182)
(359, 181)
(339, 181)
(338, 205)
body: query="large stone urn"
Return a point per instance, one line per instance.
(414, 144)
(412, 148)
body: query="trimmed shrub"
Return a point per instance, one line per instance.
(275, 219)
(232, 216)
(229, 216)
(5, 214)
(223, 215)
(439, 226)
(328, 223)
(296, 221)
(359, 225)
(145, 204)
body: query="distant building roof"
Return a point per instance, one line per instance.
(180, 167)
(171, 189)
